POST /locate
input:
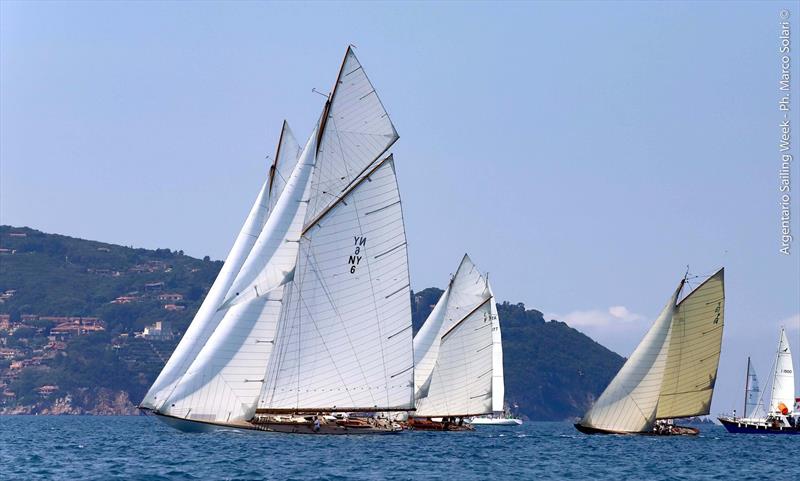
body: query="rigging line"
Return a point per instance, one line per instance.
(327, 351)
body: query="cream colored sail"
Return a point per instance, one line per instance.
(207, 318)
(344, 337)
(694, 348)
(629, 402)
(783, 377)
(225, 379)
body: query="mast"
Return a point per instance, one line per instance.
(746, 387)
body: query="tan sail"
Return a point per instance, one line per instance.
(694, 349)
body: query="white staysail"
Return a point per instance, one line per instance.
(272, 260)
(783, 377)
(224, 381)
(355, 131)
(694, 347)
(461, 366)
(426, 345)
(629, 402)
(752, 406)
(344, 336)
(207, 318)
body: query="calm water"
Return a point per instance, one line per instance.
(83, 447)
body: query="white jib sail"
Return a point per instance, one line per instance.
(344, 336)
(629, 402)
(462, 376)
(753, 406)
(426, 345)
(224, 381)
(207, 319)
(695, 343)
(356, 132)
(783, 377)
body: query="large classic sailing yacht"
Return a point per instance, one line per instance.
(671, 373)
(310, 317)
(781, 416)
(459, 355)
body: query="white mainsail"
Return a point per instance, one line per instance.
(694, 347)
(783, 377)
(224, 381)
(462, 363)
(207, 318)
(344, 337)
(466, 290)
(629, 402)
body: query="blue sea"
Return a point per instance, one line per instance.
(142, 448)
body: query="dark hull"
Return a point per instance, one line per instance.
(425, 425)
(738, 427)
(678, 431)
(195, 426)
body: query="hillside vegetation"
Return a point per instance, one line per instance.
(552, 371)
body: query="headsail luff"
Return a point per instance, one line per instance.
(225, 379)
(207, 319)
(463, 381)
(426, 345)
(344, 336)
(286, 157)
(783, 377)
(694, 348)
(629, 403)
(355, 132)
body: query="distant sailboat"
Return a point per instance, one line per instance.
(459, 355)
(311, 319)
(671, 373)
(781, 416)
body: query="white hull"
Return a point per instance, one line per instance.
(495, 422)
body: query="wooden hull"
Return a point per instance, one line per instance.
(426, 425)
(676, 431)
(340, 427)
(740, 427)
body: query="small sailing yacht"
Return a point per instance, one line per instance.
(458, 355)
(671, 373)
(782, 415)
(309, 320)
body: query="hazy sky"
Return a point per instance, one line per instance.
(582, 153)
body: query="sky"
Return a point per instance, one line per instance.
(583, 153)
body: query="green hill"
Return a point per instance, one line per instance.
(552, 371)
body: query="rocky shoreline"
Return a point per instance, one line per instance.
(102, 402)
